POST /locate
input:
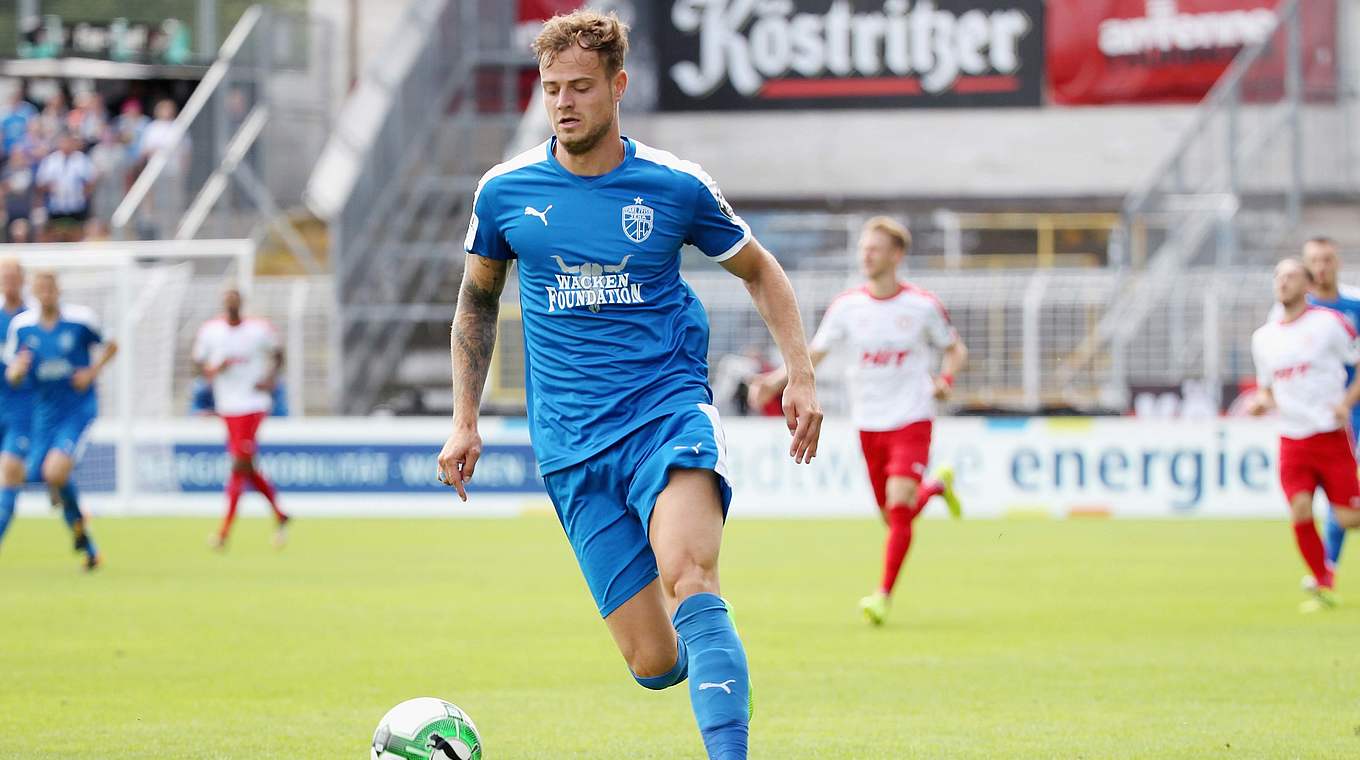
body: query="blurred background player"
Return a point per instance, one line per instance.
(1301, 359)
(897, 334)
(51, 347)
(631, 449)
(16, 402)
(242, 359)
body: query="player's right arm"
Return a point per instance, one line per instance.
(473, 338)
(17, 362)
(1264, 400)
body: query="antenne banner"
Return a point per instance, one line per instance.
(749, 54)
(1122, 51)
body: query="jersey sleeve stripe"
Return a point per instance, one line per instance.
(1346, 323)
(735, 249)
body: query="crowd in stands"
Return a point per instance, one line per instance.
(65, 165)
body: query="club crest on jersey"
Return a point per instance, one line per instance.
(637, 221)
(66, 341)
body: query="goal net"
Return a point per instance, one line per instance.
(150, 297)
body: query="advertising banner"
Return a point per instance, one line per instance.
(1125, 51)
(1051, 467)
(744, 54)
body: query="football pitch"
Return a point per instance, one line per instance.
(1077, 639)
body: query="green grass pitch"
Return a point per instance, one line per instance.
(1079, 639)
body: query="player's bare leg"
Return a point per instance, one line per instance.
(56, 472)
(642, 630)
(686, 536)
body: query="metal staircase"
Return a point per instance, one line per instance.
(396, 182)
(1230, 193)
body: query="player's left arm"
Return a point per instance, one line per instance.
(1349, 345)
(952, 361)
(774, 298)
(83, 378)
(275, 350)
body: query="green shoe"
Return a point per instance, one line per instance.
(1322, 599)
(875, 607)
(951, 499)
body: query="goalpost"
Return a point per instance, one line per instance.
(150, 296)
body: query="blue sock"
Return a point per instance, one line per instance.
(719, 683)
(70, 509)
(8, 498)
(672, 677)
(1336, 535)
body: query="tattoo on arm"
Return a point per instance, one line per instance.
(473, 339)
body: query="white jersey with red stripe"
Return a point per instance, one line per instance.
(895, 344)
(245, 352)
(1303, 362)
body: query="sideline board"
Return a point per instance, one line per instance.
(377, 467)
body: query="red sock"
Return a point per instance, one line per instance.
(899, 541)
(266, 490)
(925, 493)
(235, 484)
(1310, 546)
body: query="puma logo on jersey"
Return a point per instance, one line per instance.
(542, 215)
(695, 448)
(725, 685)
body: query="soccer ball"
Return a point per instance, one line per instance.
(426, 728)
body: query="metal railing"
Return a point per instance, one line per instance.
(234, 155)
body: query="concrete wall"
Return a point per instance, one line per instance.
(1048, 152)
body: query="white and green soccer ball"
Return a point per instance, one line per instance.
(426, 728)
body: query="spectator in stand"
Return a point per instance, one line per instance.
(110, 160)
(34, 145)
(20, 231)
(17, 183)
(53, 117)
(14, 123)
(166, 202)
(88, 118)
(67, 178)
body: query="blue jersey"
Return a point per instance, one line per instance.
(613, 337)
(1348, 303)
(57, 352)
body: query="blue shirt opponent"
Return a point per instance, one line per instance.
(614, 338)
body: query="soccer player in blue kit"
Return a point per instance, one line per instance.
(16, 403)
(50, 347)
(630, 447)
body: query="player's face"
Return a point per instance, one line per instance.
(877, 254)
(11, 280)
(581, 98)
(1322, 261)
(46, 291)
(1291, 283)
(231, 302)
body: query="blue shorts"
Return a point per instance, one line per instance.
(65, 434)
(14, 437)
(605, 503)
